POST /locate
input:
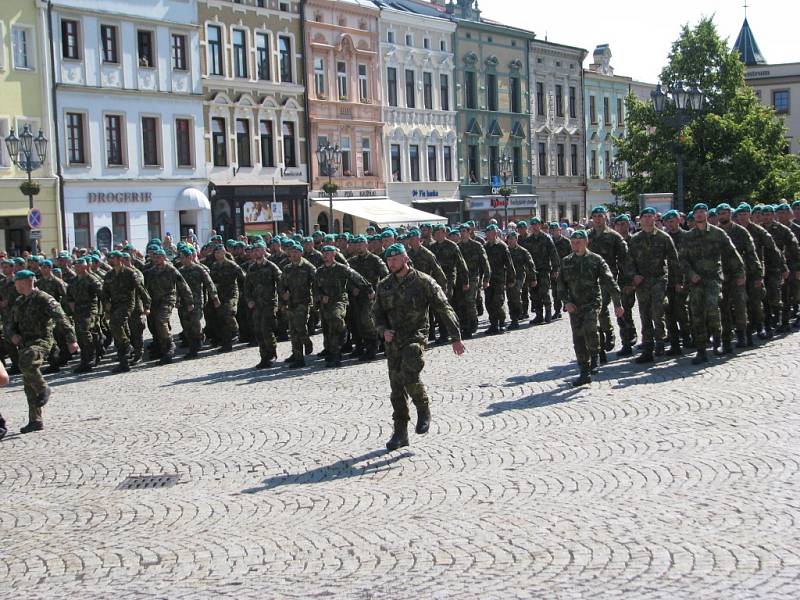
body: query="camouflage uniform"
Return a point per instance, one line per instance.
(315, 258)
(59, 355)
(455, 270)
(545, 257)
(609, 244)
(198, 279)
(502, 274)
(733, 308)
(466, 303)
(83, 297)
(525, 269)
(298, 280)
(229, 279)
(334, 282)
(788, 245)
(772, 264)
(261, 288)
(120, 290)
(137, 320)
(564, 249)
(8, 295)
(425, 261)
(373, 269)
(678, 326)
(165, 285)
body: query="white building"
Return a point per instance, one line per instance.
(417, 75)
(129, 113)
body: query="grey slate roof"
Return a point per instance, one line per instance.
(747, 46)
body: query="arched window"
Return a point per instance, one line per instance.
(322, 221)
(337, 227)
(348, 223)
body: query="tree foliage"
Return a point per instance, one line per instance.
(733, 150)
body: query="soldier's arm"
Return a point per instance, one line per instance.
(443, 311)
(142, 291)
(438, 274)
(62, 322)
(511, 271)
(685, 261)
(731, 257)
(752, 262)
(210, 286)
(485, 268)
(552, 254)
(608, 283)
(673, 264)
(462, 272)
(356, 280)
(530, 268)
(183, 289)
(775, 256)
(383, 270)
(381, 318)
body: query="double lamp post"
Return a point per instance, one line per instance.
(21, 150)
(329, 159)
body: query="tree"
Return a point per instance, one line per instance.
(733, 150)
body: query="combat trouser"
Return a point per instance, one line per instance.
(120, 328)
(31, 358)
(333, 328)
(604, 321)
(244, 317)
(495, 302)
(85, 331)
(733, 309)
(192, 324)
(226, 326)
(161, 328)
(468, 306)
(704, 300)
(361, 312)
(651, 295)
(755, 305)
(298, 328)
(263, 320)
(405, 367)
(514, 297)
(678, 326)
(540, 295)
(773, 299)
(585, 334)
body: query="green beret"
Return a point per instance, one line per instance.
(622, 219)
(56, 270)
(724, 206)
(768, 208)
(23, 274)
(117, 253)
(388, 233)
(6, 261)
(690, 216)
(452, 231)
(712, 212)
(425, 226)
(796, 204)
(535, 221)
(155, 241)
(308, 240)
(285, 242)
(553, 225)
(370, 229)
(81, 261)
(783, 206)
(47, 263)
(216, 238)
(471, 224)
(358, 239)
(741, 210)
(512, 233)
(414, 233)
(64, 254)
(330, 237)
(758, 208)
(219, 247)
(186, 250)
(579, 234)
(152, 247)
(745, 205)
(522, 224)
(329, 248)
(18, 260)
(125, 254)
(700, 206)
(463, 227)
(599, 210)
(670, 214)
(318, 234)
(492, 227)
(230, 243)
(439, 227)
(33, 258)
(159, 252)
(394, 250)
(647, 211)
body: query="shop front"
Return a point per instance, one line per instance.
(258, 209)
(437, 197)
(483, 207)
(15, 234)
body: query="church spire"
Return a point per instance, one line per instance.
(747, 46)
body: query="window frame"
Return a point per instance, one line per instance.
(366, 157)
(83, 140)
(539, 99)
(158, 143)
(447, 157)
(85, 225)
(215, 51)
(123, 159)
(516, 171)
(180, 59)
(320, 80)
(781, 111)
(267, 50)
(239, 53)
(542, 158)
(29, 47)
(593, 109)
(293, 164)
(190, 142)
(66, 46)
(471, 90)
(473, 160)
(391, 84)
(286, 58)
(114, 49)
(151, 34)
(492, 99)
(114, 216)
(573, 102)
(515, 93)
(559, 100)
(413, 162)
(363, 83)
(216, 137)
(574, 158)
(410, 86)
(342, 80)
(395, 160)
(433, 174)
(561, 165)
(427, 90)
(444, 91)
(266, 139)
(244, 146)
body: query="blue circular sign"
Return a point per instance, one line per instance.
(34, 218)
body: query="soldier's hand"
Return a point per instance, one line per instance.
(554, 275)
(486, 285)
(146, 312)
(16, 340)
(217, 303)
(72, 347)
(637, 279)
(285, 296)
(695, 278)
(619, 311)
(740, 281)
(324, 299)
(388, 335)
(679, 288)
(758, 283)
(251, 304)
(189, 307)
(356, 291)
(458, 348)
(371, 295)
(570, 307)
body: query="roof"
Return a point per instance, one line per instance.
(412, 7)
(747, 46)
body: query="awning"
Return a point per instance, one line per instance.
(437, 201)
(382, 211)
(192, 199)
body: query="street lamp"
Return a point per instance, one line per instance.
(616, 173)
(20, 149)
(506, 169)
(687, 102)
(329, 158)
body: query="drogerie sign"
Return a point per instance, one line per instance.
(119, 197)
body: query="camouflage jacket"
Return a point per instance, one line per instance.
(543, 252)
(370, 267)
(563, 247)
(279, 258)
(53, 286)
(165, 284)
(198, 278)
(583, 280)
(402, 305)
(33, 318)
(743, 242)
(85, 293)
(500, 263)
(229, 279)
(703, 253)
(771, 258)
(475, 258)
(314, 257)
(8, 294)
(424, 261)
(609, 244)
(451, 261)
(121, 288)
(652, 256)
(523, 265)
(261, 284)
(298, 280)
(336, 281)
(678, 238)
(786, 243)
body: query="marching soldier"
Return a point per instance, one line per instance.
(84, 299)
(502, 276)
(296, 290)
(478, 270)
(564, 249)
(372, 268)
(165, 285)
(261, 296)
(543, 251)
(198, 278)
(229, 279)
(526, 278)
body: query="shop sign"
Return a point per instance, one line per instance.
(119, 197)
(359, 193)
(262, 212)
(424, 194)
(521, 202)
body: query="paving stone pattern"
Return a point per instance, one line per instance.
(668, 482)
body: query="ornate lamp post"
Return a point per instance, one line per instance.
(21, 151)
(329, 158)
(506, 169)
(616, 173)
(678, 106)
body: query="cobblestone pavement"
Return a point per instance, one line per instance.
(668, 482)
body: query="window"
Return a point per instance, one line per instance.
(82, 230)
(363, 84)
(366, 162)
(4, 158)
(397, 173)
(593, 110)
(262, 56)
(144, 45)
(473, 164)
(491, 91)
(448, 163)
(573, 103)
(494, 161)
(391, 82)
(284, 6)
(347, 164)
(607, 164)
(114, 156)
(119, 226)
(239, 54)
(22, 42)
(390, 37)
(573, 160)
(414, 156)
(219, 146)
(76, 141)
(540, 99)
(341, 79)
(471, 89)
(426, 43)
(70, 40)
(780, 100)
(593, 164)
(243, 143)
(153, 224)
(410, 97)
(606, 111)
(427, 90)
(150, 150)
(432, 175)
(559, 100)
(443, 46)
(178, 52)
(542, 159)
(108, 40)
(561, 166)
(289, 154)
(183, 141)
(517, 167)
(516, 94)
(267, 144)
(444, 92)
(409, 39)
(319, 77)
(620, 113)
(214, 43)
(285, 52)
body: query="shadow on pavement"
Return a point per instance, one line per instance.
(563, 393)
(343, 469)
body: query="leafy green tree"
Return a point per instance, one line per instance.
(733, 150)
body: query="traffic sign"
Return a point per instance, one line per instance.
(34, 218)
(35, 234)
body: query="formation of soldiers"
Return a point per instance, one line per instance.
(701, 281)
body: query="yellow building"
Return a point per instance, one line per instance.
(25, 100)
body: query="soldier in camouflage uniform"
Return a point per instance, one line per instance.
(401, 314)
(373, 269)
(526, 278)
(314, 256)
(137, 320)
(197, 276)
(466, 304)
(678, 327)
(787, 244)
(121, 286)
(502, 276)
(627, 328)
(455, 269)
(704, 251)
(543, 251)
(651, 266)
(30, 328)
(165, 285)
(791, 287)
(229, 279)
(563, 249)
(54, 286)
(261, 296)
(6, 302)
(296, 289)
(583, 278)
(83, 298)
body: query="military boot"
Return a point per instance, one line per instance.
(602, 356)
(492, 330)
(122, 358)
(194, 350)
(750, 342)
(399, 436)
(674, 347)
(514, 325)
(593, 364)
(136, 355)
(264, 364)
(423, 418)
(610, 342)
(727, 347)
(296, 363)
(715, 343)
(548, 314)
(32, 426)
(701, 357)
(358, 351)
(760, 331)
(659, 349)
(645, 357)
(538, 320)
(626, 350)
(166, 359)
(3, 429)
(308, 346)
(741, 339)
(688, 342)
(85, 366)
(370, 350)
(584, 378)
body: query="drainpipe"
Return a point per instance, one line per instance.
(585, 145)
(309, 178)
(56, 151)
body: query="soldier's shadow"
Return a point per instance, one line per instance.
(565, 392)
(342, 469)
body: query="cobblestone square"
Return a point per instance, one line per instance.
(668, 482)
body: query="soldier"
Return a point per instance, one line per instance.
(30, 328)
(332, 281)
(261, 296)
(564, 249)
(526, 278)
(791, 288)
(703, 252)
(165, 285)
(136, 322)
(372, 268)
(502, 276)
(4, 379)
(197, 276)
(627, 328)
(651, 267)
(678, 327)
(547, 262)
(54, 286)
(455, 269)
(787, 244)
(296, 288)
(229, 279)
(466, 305)
(610, 245)
(426, 235)
(401, 314)
(583, 277)
(83, 298)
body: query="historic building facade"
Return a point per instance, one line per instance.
(418, 81)
(25, 99)
(493, 113)
(557, 130)
(254, 113)
(129, 118)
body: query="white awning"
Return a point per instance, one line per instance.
(437, 201)
(382, 211)
(192, 199)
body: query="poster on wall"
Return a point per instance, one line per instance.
(260, 216)
(661, 202)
